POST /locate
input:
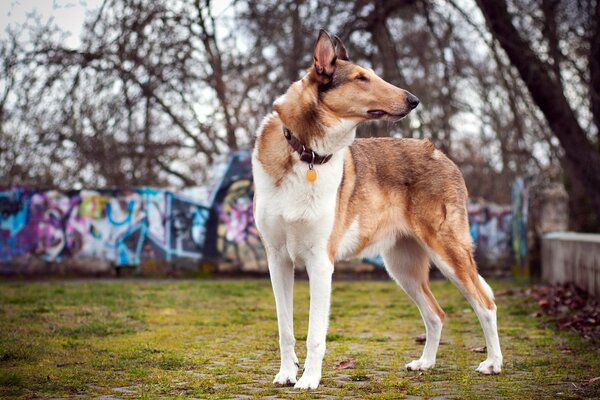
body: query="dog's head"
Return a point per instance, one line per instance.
(352, 91)
(338, 94)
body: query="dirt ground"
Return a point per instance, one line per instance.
(218, 339)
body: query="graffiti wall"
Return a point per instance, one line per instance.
(213, 224)
(491, 230)
(123, 227)
(236, 240)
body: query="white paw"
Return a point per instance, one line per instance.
(308, 382)
(286, 376)
(420, 365)
(490, 367)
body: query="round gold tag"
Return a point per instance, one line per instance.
(311, 175)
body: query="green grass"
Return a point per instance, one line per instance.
(218, 339)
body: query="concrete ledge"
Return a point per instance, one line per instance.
(572, 257)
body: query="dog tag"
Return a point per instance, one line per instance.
(311, 174)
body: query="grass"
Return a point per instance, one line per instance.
(218, 339)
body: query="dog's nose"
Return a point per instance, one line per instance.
(412, 100)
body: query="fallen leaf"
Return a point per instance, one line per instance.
(478, 349)
(536, 314)
(421, 338)
(507, 292)
(569, 351)
(348, 363)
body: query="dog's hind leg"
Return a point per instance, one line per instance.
(451, 253)
(319, 271)
(281, 270)
(408, 264)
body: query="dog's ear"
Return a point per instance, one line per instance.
(340, 49)
(325, 56)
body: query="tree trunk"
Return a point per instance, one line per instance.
(547, 93)
(594, 66)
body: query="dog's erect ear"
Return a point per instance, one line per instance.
(340, 49)
(325, 57)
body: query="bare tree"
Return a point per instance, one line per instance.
(544, 69)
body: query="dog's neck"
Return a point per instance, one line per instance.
(302, 113)
(333, 140)
(336, 138)
(306, 154)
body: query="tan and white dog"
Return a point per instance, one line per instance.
(321, 196)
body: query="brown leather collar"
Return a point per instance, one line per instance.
(306, 154)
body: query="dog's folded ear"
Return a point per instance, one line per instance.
(340, 49)
(325, 57)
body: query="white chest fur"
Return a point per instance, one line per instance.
(297, 215)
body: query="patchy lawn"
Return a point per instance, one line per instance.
(218, 339)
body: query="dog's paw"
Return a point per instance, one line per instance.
(490, 367)
(420, 365)
(285, 377)
(308, 382)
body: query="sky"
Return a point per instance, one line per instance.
(67, 14)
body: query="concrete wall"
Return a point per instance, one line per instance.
(572, 257)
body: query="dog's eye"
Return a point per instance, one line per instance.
(361, 78)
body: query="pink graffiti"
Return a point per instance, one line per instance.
(238, 219)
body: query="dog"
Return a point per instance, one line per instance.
(321, 196)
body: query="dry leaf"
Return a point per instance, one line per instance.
(421, 338)
(348, 363)
(478, 349)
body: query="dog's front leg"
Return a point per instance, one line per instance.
(319, 273)
(281, 270)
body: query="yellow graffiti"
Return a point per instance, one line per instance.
(93, 206)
